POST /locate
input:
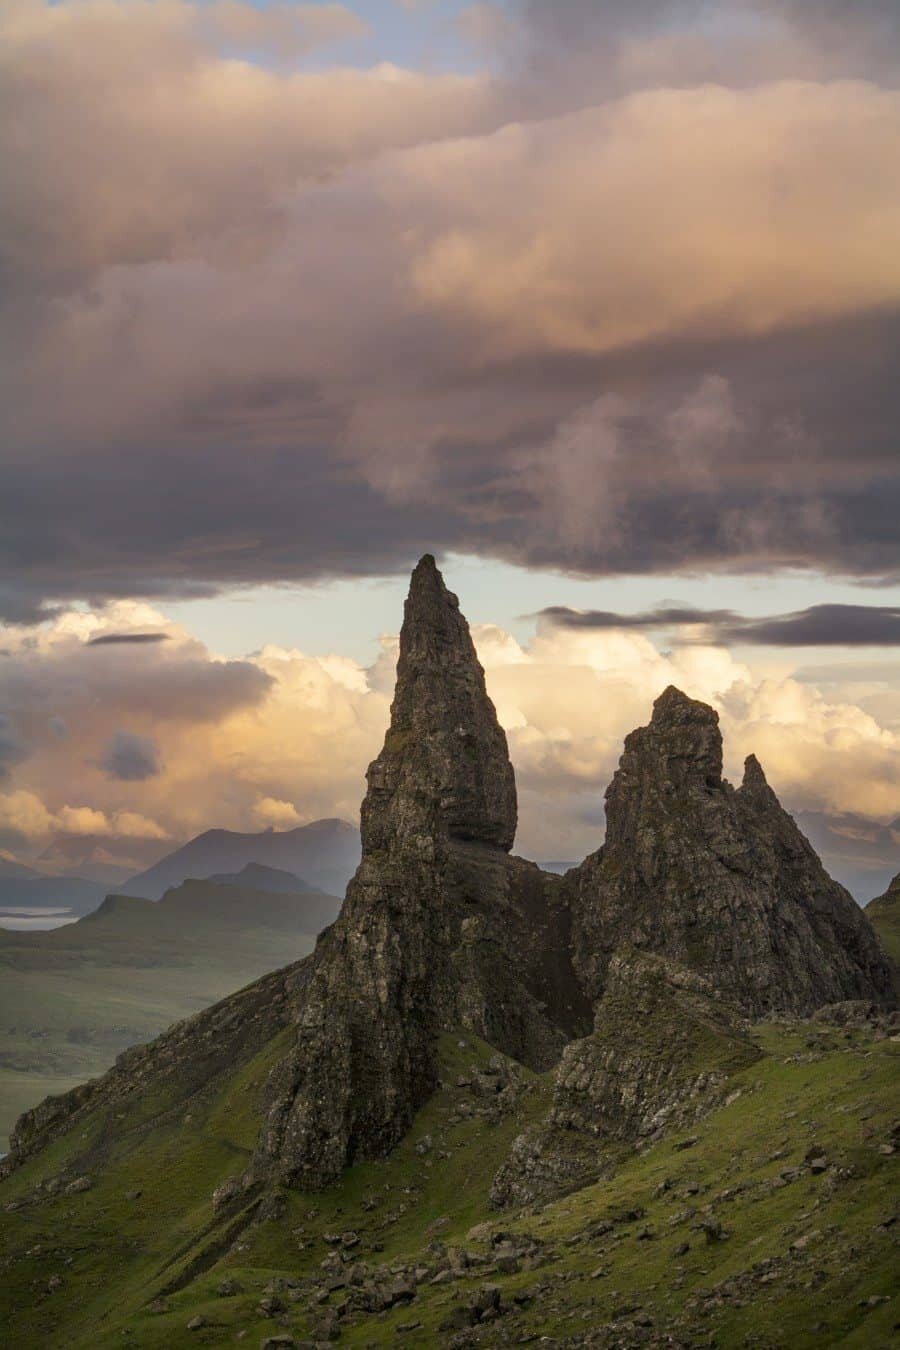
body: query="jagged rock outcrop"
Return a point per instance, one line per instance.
(721, 881)
(440, 928)
(660, 1055)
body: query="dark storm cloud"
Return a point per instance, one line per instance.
(130, 758)
(434, 313)
(115, 639)
(818, 626)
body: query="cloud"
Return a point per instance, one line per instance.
(276, 815)
(569, 697)
(829, 625)
(626, 301)
(12, 748)
(824, 625)
(113, 639)
(130, 758)
(298, 749)
(25, 817)
(270, 741)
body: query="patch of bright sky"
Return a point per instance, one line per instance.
(416, 34)
(349, 616)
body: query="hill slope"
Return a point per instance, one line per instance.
(262, 878)
(73, 998)
(772, 1220)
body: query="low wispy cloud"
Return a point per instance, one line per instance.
(116, 639)
(830, 625)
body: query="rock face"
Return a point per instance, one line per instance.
(440, 928)
(721, 881)
(444, 771)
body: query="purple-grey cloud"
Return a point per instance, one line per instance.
(831, 625)
(285, 325)
(120, 639)
(130, 758)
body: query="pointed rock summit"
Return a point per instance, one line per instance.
(444, 771)
(440, 927)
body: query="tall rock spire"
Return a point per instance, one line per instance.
(444, 770)
(440, 927)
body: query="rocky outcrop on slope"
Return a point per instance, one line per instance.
(660, 1055)
(721, 881)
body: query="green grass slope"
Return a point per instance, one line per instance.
(72, 999)
(796, 1257)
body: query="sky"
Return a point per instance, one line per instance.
(599, 303)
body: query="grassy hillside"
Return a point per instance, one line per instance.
(796, 1256)
(74, 998)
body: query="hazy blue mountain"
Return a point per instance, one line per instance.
(325, 853)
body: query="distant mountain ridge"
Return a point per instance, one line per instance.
(262, 878)
(209, 902)
(324, 853)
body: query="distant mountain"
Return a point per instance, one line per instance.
(74, 893)
(861, 854)
(203, 903)
(325, 853)
(197, 915)
(15, 871)
(262, 878)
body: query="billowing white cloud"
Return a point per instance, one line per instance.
(298, 747)
(24, 814)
